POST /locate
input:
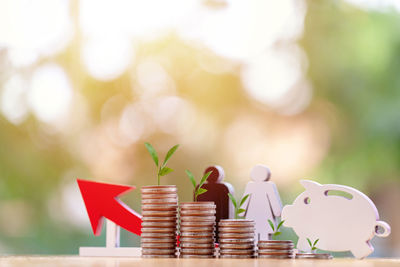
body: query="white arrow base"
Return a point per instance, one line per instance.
(110, 252)
(112, 248)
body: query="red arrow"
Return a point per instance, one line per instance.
(101, 200)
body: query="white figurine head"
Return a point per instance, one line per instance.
(260, 173)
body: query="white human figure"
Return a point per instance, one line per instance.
(264, 202)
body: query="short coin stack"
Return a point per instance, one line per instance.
(236, 238)
(276, 249)
(159, 221)
(315, 256)
(197, 230)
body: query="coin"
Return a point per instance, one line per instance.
(159, 207)
(159, 201)
(237, 251)
(158, 224)
(158, 245)
(197, 223)
(159, 213)
(157, 251)
(158, 240)
(196, 245)
(159, 219)
(197, 251)
(198, 205)
(197, 234)
(236, 230)
(275, 257)
(275, 253)
(166, 189)
(197, 229)
(196, 240)
(321, 256)
(236, 223)
(190, 256)
(236, 235)
(158, 256)
(237, 256)
(237, 246)
(197, 212)
(158, 230)
(197, 218)
(157, 196)
(236, 240)
(157, 235)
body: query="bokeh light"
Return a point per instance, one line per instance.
(50, 93)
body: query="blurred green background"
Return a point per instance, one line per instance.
(309, 88)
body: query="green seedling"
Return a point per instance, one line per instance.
(238, 208)
(197, 187)
(313, 245)
(162, 170)
(276, 229)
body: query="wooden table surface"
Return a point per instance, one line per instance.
(114, 262)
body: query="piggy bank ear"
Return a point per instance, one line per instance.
(310, 185)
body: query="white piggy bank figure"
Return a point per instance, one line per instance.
(341, 222)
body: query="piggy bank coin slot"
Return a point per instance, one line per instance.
(307, 200)
(339, 194)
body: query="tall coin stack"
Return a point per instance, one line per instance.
(276, 249)
(159, 221)
(236, 238)
(197, 230)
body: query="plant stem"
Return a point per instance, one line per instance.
(158, 177)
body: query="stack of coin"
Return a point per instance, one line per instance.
(197, 230)
(236, 238)
(314, 256)
(159, 221)
(276, 249)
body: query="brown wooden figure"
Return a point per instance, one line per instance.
(217, 191)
